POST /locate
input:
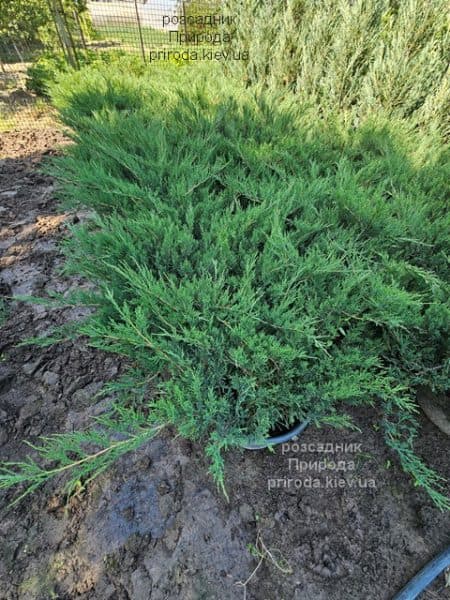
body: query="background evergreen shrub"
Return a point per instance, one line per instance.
(257, 265)
(356, 56)
(46, 70)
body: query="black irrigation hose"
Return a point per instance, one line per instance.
(425, 576)
(278, 439)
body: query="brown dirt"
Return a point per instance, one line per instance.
(155, 526)
(20, 108)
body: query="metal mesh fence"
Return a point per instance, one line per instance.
(17, 105)
(73, 29)
(131, 25)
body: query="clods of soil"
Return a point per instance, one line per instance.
(155, 526)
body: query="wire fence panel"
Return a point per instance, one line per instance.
(17, 106)
(132, 25)
(68, 30)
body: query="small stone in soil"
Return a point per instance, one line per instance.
(3, 435)
(50, 378)
(246, 512)
(30, 367)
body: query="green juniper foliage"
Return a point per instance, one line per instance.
(257, 265)
(45, 70)
(357, 56)
(84, 454)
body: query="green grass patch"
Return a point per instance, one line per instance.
(128, 35)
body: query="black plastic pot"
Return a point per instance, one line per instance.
(277, 439)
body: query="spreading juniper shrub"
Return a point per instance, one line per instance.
(356, 57)
(257, 266)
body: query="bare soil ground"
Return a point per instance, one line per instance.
(19, 108)
(155, 526)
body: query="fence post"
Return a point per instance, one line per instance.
(140, 30)
(18, 52)
(69, 35)
(80, 29)
(63, 32)
(183, 4)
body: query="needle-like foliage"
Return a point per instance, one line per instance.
(355, 56)
(258, 265)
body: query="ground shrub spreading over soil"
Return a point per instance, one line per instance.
(257, 266)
